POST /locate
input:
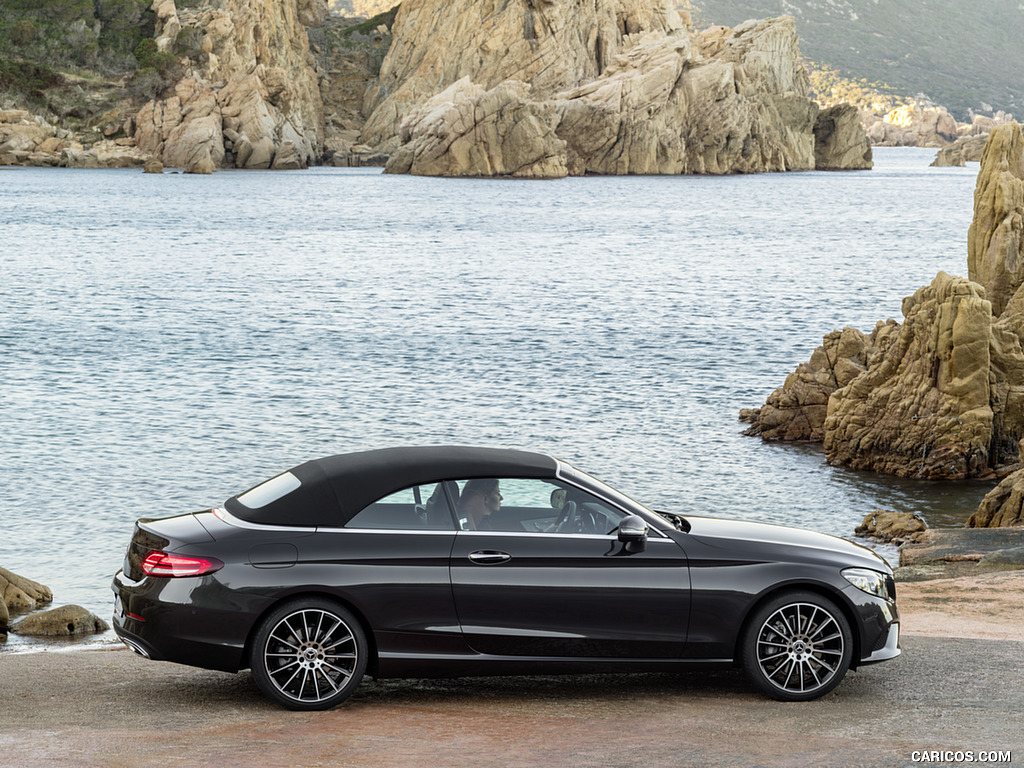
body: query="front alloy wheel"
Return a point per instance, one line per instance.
(797, 647)
(308, 654)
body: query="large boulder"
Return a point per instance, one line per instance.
(468, 131)
(66, 620)
(796, 411)
(20, 594)
(184, 128)
(1003, 505)
(839, 140)
(923, 410)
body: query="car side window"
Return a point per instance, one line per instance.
(420, 507)
(532, 505)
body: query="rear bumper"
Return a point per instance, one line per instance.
(151, 620)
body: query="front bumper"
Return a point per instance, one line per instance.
(890, 650)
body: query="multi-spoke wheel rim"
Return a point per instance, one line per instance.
(311, 655)
(800, 648)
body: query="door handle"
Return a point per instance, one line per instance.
(489, 557)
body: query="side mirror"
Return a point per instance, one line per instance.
(633, 533)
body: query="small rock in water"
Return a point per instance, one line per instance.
(895, 527)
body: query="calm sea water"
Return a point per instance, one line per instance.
(167, 341)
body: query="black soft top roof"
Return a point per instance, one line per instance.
(335, 488)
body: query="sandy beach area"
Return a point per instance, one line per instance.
(958, 686)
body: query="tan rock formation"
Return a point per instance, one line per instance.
(1003, 505)
(184, 128)
(913, 125)
(895, 527)
(26, 139)
(553, 46)
(796, 411)
(995, 240)
(662, 107)
(103, 154)
(253, 75)
(839, 140)
(733, 101)
(20, 594)
(923, 410)
(66, 620)
(943, 396)
(966, 149)
(468, 131)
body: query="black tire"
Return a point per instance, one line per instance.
(797, 646)
(308, 654)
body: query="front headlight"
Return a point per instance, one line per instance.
(870, 581)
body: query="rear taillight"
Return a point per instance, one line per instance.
(158, 563)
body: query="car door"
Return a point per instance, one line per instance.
(391, 562)
(532, 581)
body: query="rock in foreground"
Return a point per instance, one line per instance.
(923, 409)
(1003, 505)
(941, 395)
(66, 620)
(20, 594)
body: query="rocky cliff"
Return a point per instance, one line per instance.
(995, 240)
(940, 395)
(533, 88)
(724, 101)
(551, 45)
(923, 408)
(249, 95)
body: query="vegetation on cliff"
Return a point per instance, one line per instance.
(65, 59)
(94, 35)
(829, 87)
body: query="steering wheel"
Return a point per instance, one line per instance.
(567, 519)
(588, 521)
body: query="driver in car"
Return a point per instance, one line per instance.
(480, 499)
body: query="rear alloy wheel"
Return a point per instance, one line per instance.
(308, 654)
(797, 647)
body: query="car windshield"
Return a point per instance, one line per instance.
(570, 472)
(590, 482)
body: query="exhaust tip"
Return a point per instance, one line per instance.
(136, 648)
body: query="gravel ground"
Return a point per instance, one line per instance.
(960, 691)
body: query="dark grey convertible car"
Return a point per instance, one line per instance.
(446, 561)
